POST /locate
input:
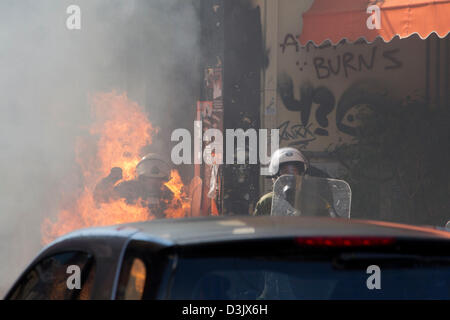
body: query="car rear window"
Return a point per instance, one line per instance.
(141, 273)
(298, 278)
(49, 278)
(132, 280)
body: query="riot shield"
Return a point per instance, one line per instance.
(304, 196)
(311, 196)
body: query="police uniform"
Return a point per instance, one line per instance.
(264, 205)
(155, 198)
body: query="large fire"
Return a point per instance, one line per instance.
(120, 130)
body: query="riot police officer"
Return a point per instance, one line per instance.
(148, 189)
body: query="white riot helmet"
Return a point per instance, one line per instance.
(285, 155)
(153, 166)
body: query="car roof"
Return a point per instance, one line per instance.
(230, 228)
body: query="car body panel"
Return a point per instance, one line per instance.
(109, 244)
(219, 229)
(106, 244)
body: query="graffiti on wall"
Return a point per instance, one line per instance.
(348, 62)
(298, 134)
(302, 133)
(345, 63)
(331, 93)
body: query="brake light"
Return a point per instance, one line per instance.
(344, 241)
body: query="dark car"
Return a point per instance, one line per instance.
(243, 258)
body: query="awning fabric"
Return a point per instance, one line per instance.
(338, 19)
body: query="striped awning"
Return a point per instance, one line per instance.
(335, 20)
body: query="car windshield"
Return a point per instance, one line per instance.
(115, 112)
(300, 278)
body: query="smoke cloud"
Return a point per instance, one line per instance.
(47, 73)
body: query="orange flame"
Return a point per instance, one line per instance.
(121, 129)
(180, 204)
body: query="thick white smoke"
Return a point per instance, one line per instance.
(148, 48)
